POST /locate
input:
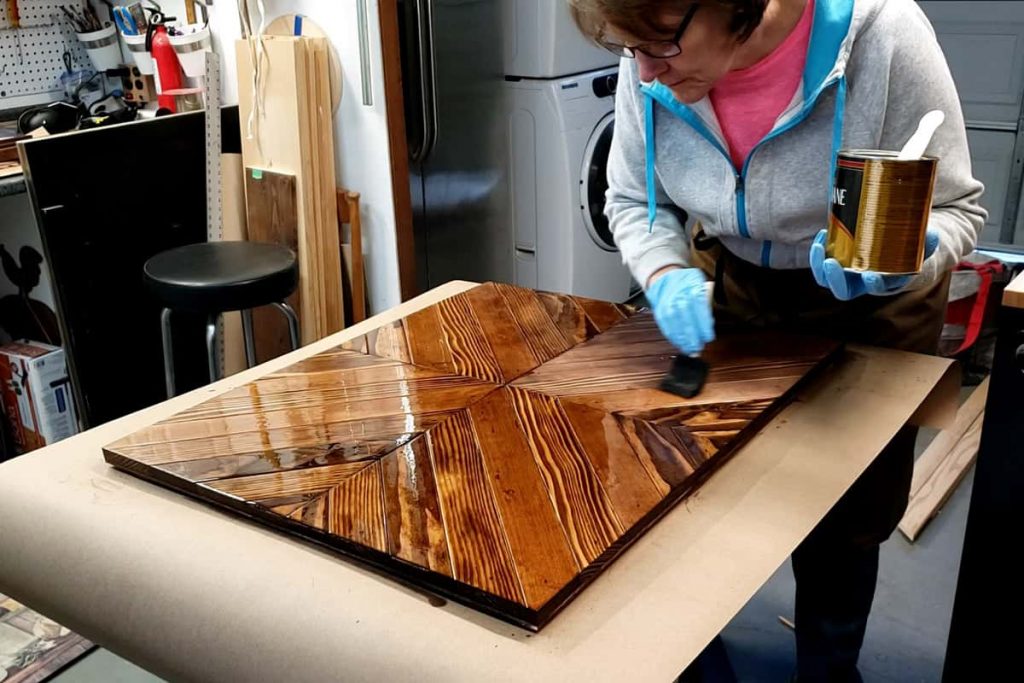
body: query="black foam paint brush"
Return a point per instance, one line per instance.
(686, 376)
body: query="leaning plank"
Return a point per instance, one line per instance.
(934, 492)
(272, 217)
(287, 127)
(929, 461)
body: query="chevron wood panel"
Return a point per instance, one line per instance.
(499, 448)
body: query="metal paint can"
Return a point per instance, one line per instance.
(879, 211)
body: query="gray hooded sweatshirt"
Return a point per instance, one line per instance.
(874, 68)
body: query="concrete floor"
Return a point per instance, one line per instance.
(906, 637)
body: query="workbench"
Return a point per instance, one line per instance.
(191, 593)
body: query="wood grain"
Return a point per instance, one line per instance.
(476, 539)
(537, 541)
(505, 337)
(568, 317)
(471, 352)
(583, 506)
(936, 490)
(427, 344)
(500, 448)
(291, 131)
(413, 512)
(352, 256)
(625, 478)
(545, 339)
(281, 484)
(355, 509)
(946, 440)
(601, 313)
(272, 216)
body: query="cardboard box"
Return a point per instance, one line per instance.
(36, 394)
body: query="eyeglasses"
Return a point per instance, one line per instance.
(656, 49)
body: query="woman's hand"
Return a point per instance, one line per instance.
(682, 309)
(848, 284)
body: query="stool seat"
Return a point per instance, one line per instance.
(222, 276)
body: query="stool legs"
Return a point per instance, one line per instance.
(250, 340)
(293, 322)
(165, 333)
(211, 346)
(212, 350)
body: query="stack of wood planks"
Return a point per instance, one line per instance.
(942, 466)
(288, 154)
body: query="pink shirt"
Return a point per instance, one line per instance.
(748, 101)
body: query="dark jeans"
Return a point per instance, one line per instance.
(836, 566)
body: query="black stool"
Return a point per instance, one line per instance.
(215, 277)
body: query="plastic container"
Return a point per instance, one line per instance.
(191, 49)
(137, 46)
(102, 47)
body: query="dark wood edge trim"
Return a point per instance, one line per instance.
(388, 567)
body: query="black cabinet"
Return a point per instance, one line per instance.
(106, 200)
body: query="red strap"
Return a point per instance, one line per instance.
(985, 271)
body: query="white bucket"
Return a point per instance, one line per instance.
(102, 47)
(191, 49)
(137, 46)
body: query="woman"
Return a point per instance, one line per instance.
(733, 111)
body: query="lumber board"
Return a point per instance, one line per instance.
(288, 128)
(272, 216)
(937, 489)
(946, 439)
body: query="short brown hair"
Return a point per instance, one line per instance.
(639, 17)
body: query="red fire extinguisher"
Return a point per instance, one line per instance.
(168, 69)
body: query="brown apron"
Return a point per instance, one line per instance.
(751, 297)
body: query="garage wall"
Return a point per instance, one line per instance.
(984, 45)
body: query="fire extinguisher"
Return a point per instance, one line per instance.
(168, 69)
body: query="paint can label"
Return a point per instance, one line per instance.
(845, 210)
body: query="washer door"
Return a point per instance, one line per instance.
(594, 183)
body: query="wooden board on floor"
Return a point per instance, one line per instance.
(499, 448)
(288, 128)
(944, 441)
(937, 489)
(272, 216)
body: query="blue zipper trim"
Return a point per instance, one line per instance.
(766, 253)
(656, 91)
(837, 132)
(660, 93)
(832, 20)
(652, 205)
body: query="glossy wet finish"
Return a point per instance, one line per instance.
(498, 448)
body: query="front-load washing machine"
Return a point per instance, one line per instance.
(559, 135)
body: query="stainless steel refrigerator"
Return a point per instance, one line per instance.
(452, 76)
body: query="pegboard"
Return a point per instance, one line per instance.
(31, 56)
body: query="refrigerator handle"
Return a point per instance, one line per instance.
(428, 78)
(365, 74)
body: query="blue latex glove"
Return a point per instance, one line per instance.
(849, 284)
(682, 309)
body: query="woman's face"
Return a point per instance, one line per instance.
(708, 52)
